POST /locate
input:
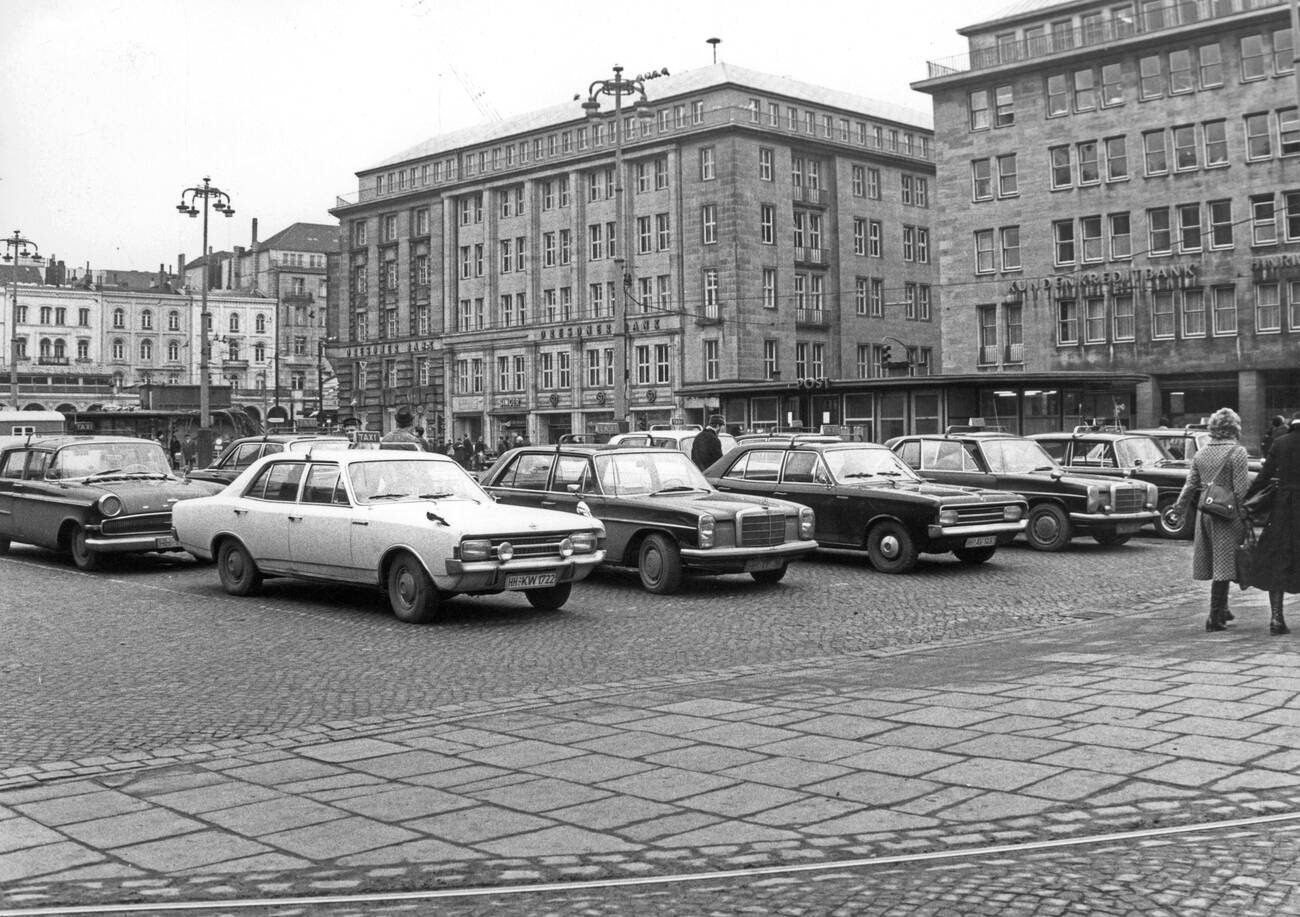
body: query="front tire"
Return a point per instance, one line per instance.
(552, 598)
(1048, 528)
(237, 570)
(1166, 527)
(769, 577)
(85, 557)
(975, 555)
(659, 563)
(890, 548)
(411, 593)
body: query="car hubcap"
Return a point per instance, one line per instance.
(654, 565)
(235, 566)
(889, 547)
(405, 586)
(1045, 528)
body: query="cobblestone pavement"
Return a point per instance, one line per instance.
(151, 653)
(1126, 722)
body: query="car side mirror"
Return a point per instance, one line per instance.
(573, 488)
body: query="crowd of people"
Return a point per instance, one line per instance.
(1220, 470)
(471, 454)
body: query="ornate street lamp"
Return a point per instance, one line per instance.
(207, 193)
(618, 87)
(17, 247)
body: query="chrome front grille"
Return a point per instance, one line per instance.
(531, 545)
(1126, 498)
(761, 530)
(979, 514)
(138, 524)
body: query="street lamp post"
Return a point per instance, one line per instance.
(618, 87)
(17, 247)
(207, 193)
(320, 377)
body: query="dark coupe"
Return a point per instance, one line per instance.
(1060, 504)
(865, 498)
(90, 496)
(661, 516)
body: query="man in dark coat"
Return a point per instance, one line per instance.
(707, 448)
(1278, 427)
(1277, 557)
(405, 432)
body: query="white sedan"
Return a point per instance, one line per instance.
(415, 524)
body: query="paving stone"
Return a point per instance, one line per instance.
(559, 839)
(189, 851)
(666, 784)
(904, 762)
(786, 772)
(131, 828)
(80, 807)
(30, 862)
(18, 832)
(272, 815)
(540, 794)
(993, 773)
(471, 826)
(612, 812)
(338, 838)
(224, 795)
(400, 803)
(1015, 748)
(705, 757)
(873, 789)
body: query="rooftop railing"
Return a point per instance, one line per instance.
(1146, 19)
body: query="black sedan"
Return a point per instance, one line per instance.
(91, 496)
(242, 453)
(661, 516)
(1060, 504)
(865, 498)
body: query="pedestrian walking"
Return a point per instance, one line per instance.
(1277, 556)
(189, 451)
(1277, 427)
(1214, 544)
(707, 447)
(405, 432)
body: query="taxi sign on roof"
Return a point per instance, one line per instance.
(364, 436)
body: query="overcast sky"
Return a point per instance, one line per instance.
(112, 107)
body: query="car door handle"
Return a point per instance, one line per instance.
(359, 522)
(295, 518)
(239, 512)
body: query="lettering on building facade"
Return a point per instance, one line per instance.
(1097, 283)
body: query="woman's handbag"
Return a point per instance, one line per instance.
(1246, 559)
(1218, 500)
(1260, 504)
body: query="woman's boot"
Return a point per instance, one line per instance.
(1218, 605)
(1277, 623)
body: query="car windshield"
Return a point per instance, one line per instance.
(84, 460)
(859, 464)
(1017, 456)
(646, 473)
(1143, 449)
(402, 480)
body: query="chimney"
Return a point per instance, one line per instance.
(254, 242)
(180, 266)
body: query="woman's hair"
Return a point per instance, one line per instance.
(1225, 423)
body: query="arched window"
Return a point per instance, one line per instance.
(173, 351)
(260, 323)
(173, 320)
(234, 350)
(119, 349)
(83, 350)
(259, 351)
(119, 318)
(46, 351)
(60, 349)
(146, 319)
(234, 322)
(146, 351)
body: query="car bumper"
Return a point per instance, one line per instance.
(1095, 520)
(129, 544)
(490, 575)
(954, 532)
(734, 560)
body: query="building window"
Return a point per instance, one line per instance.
(1221, 223)
(1288, 131)
(1254, 57)
(981, 179)
(1089, 173)
(1181, 78)
(1058, 95)
(711, 293)
(1185, 148)
(1063, 233)
(1008, 183)
(1157, 160)
(1062, 169)
(765, 162)
(1225, 310)
(1116, 158)
(1085, 90)
(988, 335)
(1189, 227)
(984, 251)
(1094, 321)
(1193, 313)
(767, 224)
(1160, 234)
(1259, 143)
(707, 169)
(1005, 106)
(1112, 84)
(710, 360)
(1067, 322)
(1162, 315)
(1121, 236)
(770, 364)
(874, 235)
(1010, 239)
(1151, 83)
(769, 288)
(1268, 307)
(709, 223)
(1263, 220)
(978, 103)
(1013, 333)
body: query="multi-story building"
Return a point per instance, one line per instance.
(1122, 201)
(772, 231)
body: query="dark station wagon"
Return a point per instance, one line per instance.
(661, 516)
(865, 498)
(90, 496)
(1061, 505)
(1125, 455)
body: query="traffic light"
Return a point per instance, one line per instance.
(887, 354)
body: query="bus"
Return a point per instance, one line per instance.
(227, 423)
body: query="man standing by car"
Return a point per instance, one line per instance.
(405, 432)
(708, 448)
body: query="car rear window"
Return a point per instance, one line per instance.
(278, 481)
(324, 485)
(528, 472)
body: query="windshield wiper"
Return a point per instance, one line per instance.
(675, 489)
(104, 474)
(873, 474)
(438, 496)
(388, 496)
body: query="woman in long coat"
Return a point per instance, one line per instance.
(1214, 545)
(1277, 566)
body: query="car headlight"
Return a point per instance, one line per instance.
(1153, 496)
(1011, 512)
(704, 529)
(566, 547)
(583, 542)
(1095, 498)
(472, 549)
(109, 505)
(505, 551)
(807, 523)
(948, 517)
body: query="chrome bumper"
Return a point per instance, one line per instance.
(489, 575)
(714, 557)
(1101, 518)
(937, 532)
(127, 544)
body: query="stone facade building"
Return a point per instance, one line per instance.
(1120, 183)
(772, 231)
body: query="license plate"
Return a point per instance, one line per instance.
(763, 563)
(983, 541)
(1127, 528)
(164, 542)
(530, 580)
